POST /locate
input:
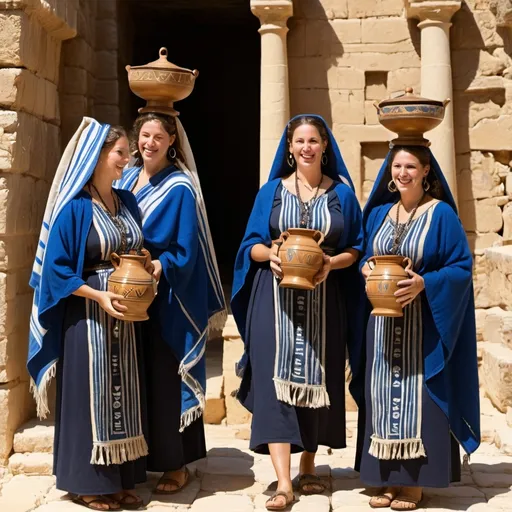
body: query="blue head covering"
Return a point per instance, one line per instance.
(75, 168)
(381, 195)
(335, 168)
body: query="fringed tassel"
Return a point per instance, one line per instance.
(40, 393)
(118, 452)
(301, 395)
(190, 416)
(218, 321)
(390, 449)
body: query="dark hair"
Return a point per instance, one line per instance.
(313, 121)
(422, 153)
(168, 124)
(114, 134)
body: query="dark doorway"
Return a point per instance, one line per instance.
(222, 115)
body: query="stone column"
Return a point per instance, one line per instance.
(275, 103)
(436, 74)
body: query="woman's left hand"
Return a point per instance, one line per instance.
(324, 271)
(409, 289)
(148, 264)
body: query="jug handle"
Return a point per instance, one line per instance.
(284, 236)
(320, 239)
(115, 259)
(372, 261)
(408, 262)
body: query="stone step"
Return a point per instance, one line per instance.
(31, 464)
(496, 374)
(215, 409)
(34, 437)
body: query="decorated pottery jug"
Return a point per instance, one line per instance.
(381, 284)
(131, 280)
(301, 257)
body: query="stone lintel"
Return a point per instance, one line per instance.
(273, 14)
(57, 17)
(432, 10)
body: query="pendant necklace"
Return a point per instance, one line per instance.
(306, 207)
(114, 218)
(402, 229)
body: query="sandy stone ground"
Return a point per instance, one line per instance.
(234, 479)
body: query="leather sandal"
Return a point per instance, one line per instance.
(172, 481)
(100, 500)
(384, 501)
(310, 480)
(288, 496)
(127, 504)
(400, 500)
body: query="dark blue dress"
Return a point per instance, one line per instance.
(73, 425)
(275, 421)
(396, 378)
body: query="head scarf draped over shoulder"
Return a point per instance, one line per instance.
(73, 172)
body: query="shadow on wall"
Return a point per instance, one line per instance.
(478, 63)
(316, 84)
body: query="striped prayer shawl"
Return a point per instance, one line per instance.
(300, 322)
(397, 368)
(75, 168)
(151, 199)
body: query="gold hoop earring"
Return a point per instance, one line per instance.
(324, 160)
(290, 160)
(426, 184)
(392, 186)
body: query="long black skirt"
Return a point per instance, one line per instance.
(274, 421)
(169, 449)
(73, 429)
(442, 463)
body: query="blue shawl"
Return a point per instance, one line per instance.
(190, 294)
(258, 232)
(58, 265)
(449, 351)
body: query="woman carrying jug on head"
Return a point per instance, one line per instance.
(297, 406)
(189, 300)
(421, 386)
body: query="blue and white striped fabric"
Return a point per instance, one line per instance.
(397, 368)
(75, 168)
(113, 368)
(196, 301)
(299, 373)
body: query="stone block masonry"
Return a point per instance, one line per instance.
(31, 34)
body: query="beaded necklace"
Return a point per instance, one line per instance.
(306, 207)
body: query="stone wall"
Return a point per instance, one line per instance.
(90, 67)
(31, 34)
(343, 56)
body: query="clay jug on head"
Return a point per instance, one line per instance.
(381, 284)
(131, 280)
(301, 257)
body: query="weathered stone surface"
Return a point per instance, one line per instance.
(346, 79)
(75, 80)
(507, 222)
(34, 436)
(107, 113)
(23, 493)
(481, 217)
(215, 410)
(497, 374)
(385, 30)
(225, 466)
(503, 10)
(478, 242)
(348, 106)
(498, 326)
(106, 92)
(475, 29)
(10, 38)
(400, 79)
(231, 484)
(368, 8)
(347, 31)
(106, 65)
(326, 9)
(31, 464)
(492, 134)
(499, 261)
(106, 34)
(503, 441)
(483, 479)
(231, 502)
(17, 407)
(230, 329)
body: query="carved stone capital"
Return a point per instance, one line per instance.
(272, 13)
(432, 10)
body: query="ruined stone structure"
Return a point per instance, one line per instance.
(62, 59)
